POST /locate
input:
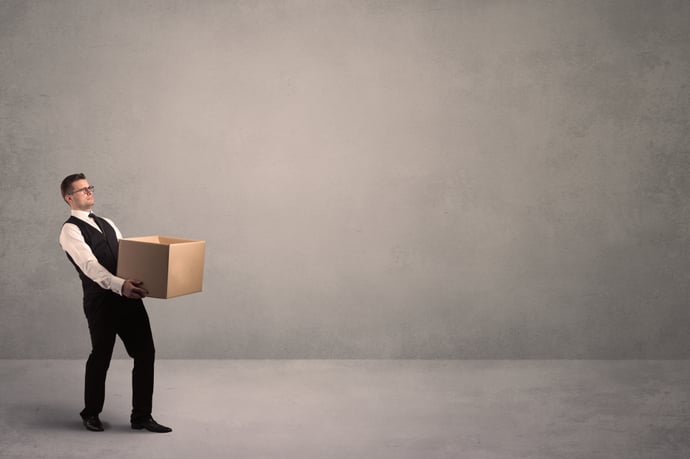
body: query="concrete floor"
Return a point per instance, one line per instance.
(358, 409)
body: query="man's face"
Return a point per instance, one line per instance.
(81, 198)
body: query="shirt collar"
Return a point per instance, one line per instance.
(80, 213)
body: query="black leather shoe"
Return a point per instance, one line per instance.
(92, 423)
(150, 425)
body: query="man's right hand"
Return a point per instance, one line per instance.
(131, 289)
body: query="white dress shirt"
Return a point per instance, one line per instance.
(72, 242)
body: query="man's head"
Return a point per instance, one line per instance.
(77, 192)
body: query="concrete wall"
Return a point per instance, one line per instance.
(374, 179)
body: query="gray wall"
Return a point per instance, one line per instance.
(374, 179)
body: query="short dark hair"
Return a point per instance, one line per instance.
(66, 186)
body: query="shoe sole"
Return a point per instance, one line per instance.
(94, 429)
(154, 431)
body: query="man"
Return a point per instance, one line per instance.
(112, 305)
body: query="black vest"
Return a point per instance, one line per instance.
(104, 246)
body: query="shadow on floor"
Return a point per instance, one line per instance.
(42, 416)
(58, 418)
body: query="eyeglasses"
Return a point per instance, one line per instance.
(85, 190)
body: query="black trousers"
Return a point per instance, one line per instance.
(108, 316)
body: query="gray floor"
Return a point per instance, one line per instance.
(358, 409)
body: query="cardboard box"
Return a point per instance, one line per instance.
(168, 266)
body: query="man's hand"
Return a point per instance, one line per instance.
(131, 289)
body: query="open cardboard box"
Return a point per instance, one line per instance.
(167, 266)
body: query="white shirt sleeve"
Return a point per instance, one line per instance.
(72, 242)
